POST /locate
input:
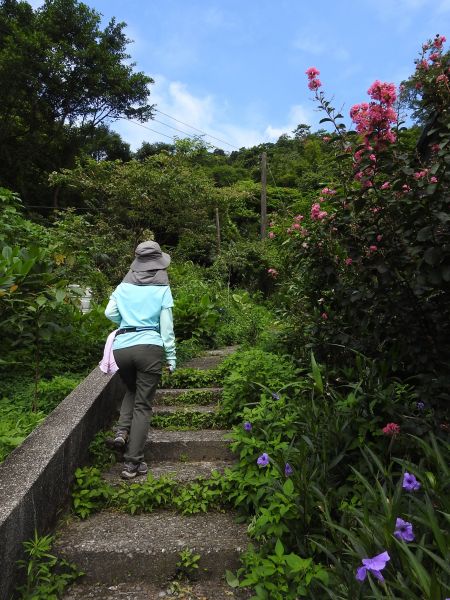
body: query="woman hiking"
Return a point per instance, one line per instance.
(142, 307)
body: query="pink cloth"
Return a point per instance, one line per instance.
(108, 364)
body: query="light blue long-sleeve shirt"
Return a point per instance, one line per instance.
(143, 306)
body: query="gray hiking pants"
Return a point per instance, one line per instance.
(140, 369)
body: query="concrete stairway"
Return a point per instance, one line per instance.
(134, 557)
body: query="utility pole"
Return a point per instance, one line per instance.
(263, 195)
(217, 231)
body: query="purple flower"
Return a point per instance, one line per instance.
(404, 530)
(263, 460)
(420, 405)
(275, 396)
(288, 470)
(410, 483)
(374, 565)
(247, 426)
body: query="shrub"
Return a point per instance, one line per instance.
(254, 372)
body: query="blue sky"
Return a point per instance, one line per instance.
(235, 68)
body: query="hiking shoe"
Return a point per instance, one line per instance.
(130, 470)
(121, 439)
(142, 468)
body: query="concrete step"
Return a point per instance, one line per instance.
(204, 444)
(183, 472)
(187, 408)
(211, 590)
(113, 548)
(210, 359)
(187, 396)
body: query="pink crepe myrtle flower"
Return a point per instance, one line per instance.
(435, 56)
(383, 92)
(373, 158)
(442, 78)
(299, 218)
(271, 235)
(439, 40)
(379, 237)
(391, 429)
(328, 191)
(313, 81)
(420, 174)
(419, 85)
(348, 261)
(296, 225)
(326, 138)
(272, 272)
(314, 84)
(386, 185)
(433, 179)
(373, 248)
(406, 188)
(316, 213)
(374, 565)
(312, 72)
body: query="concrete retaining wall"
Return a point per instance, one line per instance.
(35, 478)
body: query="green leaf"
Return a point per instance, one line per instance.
(279, 549)
(317, 376)
(60, 295)
(296, 563)
(231, 578)
(288, 487)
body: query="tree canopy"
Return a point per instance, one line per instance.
(61, 77)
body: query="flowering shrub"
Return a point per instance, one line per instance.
(368, 267)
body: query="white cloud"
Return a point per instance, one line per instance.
(297, 114)
(309, 44)
(315, 46)
(204, 112)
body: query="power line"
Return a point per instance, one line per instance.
(171, 137)
(196, 129)
(174, 128)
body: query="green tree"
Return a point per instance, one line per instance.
(61, 77)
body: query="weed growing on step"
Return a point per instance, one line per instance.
(46, 576)
(192, 397)
(193, 378)
(278, 575)
(100, 455)
(90, 492)
(188, 564)
(202, 495)
(189, 421)
(145, 497)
